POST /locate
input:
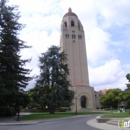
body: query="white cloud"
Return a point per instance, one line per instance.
(43, 19)
(114, 12)
(109, 75)
(97, 44)
(40, 42)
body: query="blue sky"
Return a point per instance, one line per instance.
(107, 29)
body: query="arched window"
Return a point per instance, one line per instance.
(79, 36)
(65, 23)
(67, 36)
(83, 102)
(73, 36)
(72, 23)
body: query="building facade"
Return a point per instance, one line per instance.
(98, 95)
(72, 42)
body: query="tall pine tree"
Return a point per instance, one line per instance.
(53, 80)
(13, 75)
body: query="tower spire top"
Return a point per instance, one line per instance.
(69, 10)
(70, 13)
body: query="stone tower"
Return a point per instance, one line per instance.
(72, 42)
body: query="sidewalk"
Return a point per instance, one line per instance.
(104, 126)
(13, 120)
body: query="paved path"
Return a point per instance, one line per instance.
(70, 123)
(86, 122)
(13, 118)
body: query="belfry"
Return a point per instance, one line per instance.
(72, 42)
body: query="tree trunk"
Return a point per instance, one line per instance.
(52, 98)
(52, 109)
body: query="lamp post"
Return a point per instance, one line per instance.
(75, 102)
(18, 118)
(76, 105)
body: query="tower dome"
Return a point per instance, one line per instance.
(70, 13)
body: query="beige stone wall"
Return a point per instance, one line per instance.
(86, 91)
(97, 99)
(77, 61)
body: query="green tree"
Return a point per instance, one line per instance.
(112, 98)
(127, 91)
(2, 88)
(128, 77)
(34, 97)
(13, 75)
(53, 82)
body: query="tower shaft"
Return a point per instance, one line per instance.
(73, 43)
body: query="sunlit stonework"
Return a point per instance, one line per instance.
(72, 41)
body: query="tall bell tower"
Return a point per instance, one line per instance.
(72, 42)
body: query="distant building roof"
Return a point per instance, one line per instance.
(102, 92)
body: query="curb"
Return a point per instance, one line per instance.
(102, 120)
(38, 121)
(20, 123)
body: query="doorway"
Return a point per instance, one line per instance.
(83, 102)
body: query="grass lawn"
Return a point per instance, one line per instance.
(45, 115)
(117, 115)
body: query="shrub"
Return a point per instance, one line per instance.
(107, 108)
(14, 112)
(62, 110)
(44, 110)
(7, 111)
(2, 111)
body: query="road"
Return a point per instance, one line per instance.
(77, 123)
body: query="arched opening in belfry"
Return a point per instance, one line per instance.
(72, 23)
(65, 23)
(73, 36)
(67, 36)
(79, 36)
(83, 102)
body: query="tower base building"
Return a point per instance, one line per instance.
(72, 42)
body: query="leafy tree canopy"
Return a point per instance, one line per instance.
(127, 91)
(52, 82)
(112, 98)
(128, 77)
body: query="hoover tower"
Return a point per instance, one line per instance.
(72, 42)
